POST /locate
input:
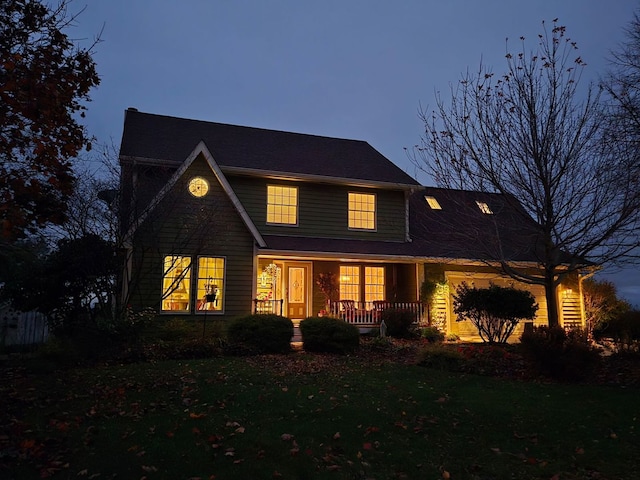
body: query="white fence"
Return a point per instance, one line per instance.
(21, 330)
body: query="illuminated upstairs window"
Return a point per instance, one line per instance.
(432, 202)
(362, 211)
(484, 207)
(282, 205)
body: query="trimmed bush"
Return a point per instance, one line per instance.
(260, 334)
(399, 322)
(560, 355)
(495, 311)
(432, 334)
(326, 334)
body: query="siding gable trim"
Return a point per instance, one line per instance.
(201, 148)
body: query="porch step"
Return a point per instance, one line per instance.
(297, 336)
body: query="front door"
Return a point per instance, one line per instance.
(297, 291)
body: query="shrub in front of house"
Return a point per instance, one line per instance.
(622, 329)
(262, 333)
(330, 335)
(494, 311)
(432, 334)
(399, 323)
(557, 354)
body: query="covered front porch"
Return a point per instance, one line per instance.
(354, 290)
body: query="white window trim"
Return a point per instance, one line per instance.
(224, 287)
(375, 213)
(297, 206)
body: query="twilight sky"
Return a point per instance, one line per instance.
(343, 68)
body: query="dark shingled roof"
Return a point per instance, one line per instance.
(170, 139)
(461, 230)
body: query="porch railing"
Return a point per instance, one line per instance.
(370, 313)
(268, 306)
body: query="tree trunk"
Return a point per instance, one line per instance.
(552, 299)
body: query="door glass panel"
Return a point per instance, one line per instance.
(296, 285)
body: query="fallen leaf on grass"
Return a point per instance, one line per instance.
(286, 437)
(371, 430)
(336, 435)
(149, 468)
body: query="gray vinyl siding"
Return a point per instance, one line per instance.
(184, 225)
(323, 209)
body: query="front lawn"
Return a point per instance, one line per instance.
(304, 416)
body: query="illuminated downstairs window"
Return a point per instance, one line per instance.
(178, 278)
(210, 284)
(176, 283)
(373, 284)
(350, 283)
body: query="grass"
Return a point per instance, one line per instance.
(305, 416)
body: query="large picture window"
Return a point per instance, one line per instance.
(362, 211)
(282, 205)
(177, 279)
(176, 283)
(210, 283)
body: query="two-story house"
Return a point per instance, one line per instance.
(227, 220)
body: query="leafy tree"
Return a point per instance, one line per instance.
(535, 135)
(601, 302)
(71, 284)
(495, 311)
(44, 78)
